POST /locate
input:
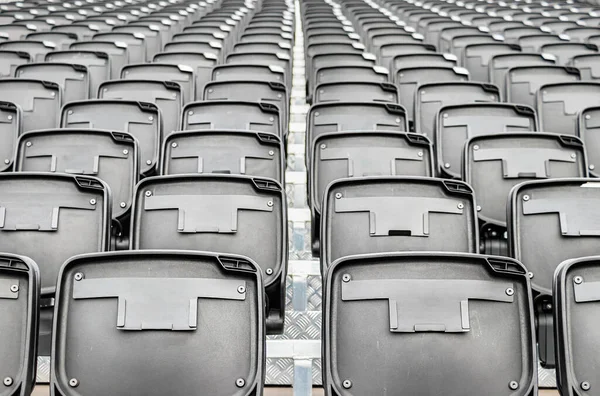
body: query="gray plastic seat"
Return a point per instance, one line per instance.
(564, 52)
(61, 40)
(182, 301)
(19, 302)
(559, 104)
(428, 59)
(10, 129)
(97, 64)
(356, 91)
(202, 63)
(494, 164)
(476, 58)
(332, 60)
(180, 74)
(140, 119)
(365, 215)
(220, 213)
(588, 65)
(456, 124)
(83, 32)
(415, 305)
(235, 72)
(236, 115)
(351, 73)
(37, 50)
(587, 128)
(72, 78)
(535, 42)
(117, 52)
(238, 152)
(262, 58)
(136, 43)
(431, 97)
(389, 52)
(17, 31)
(214, 48)
(167, 95)
(10, 60)
(523, 83)
(110, 156)
(500, 64)
(40, 101)
(152, 37)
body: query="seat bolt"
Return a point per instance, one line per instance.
(578, 280)
(241, 289)
(509, 292)
(513, 385)
(92, 201)
(269, 271)
(73, 382)
(525, 197)
(174, 144)
(148, 193)
(8, 381)
(347, 384)
(240, 382)
(123, 204)
(14, 288)
(346, 278)
(78, 276)
(585, 385)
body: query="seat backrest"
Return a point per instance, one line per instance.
(73, 79)
(97, 63)
(523, 83)
(39, 100)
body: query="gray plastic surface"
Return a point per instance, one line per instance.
(281, 59)
(182, 301)
(523, 83)
(19, 300)
(202, 63)
(230, 114)
(10, 60)
(39, 101)
(249, 72)
(564, 52)
(476, 58)
(356, 91)
(421, 59)
(82, 31)
(559, 104)
(10, 128)
(109, 156)
(535, 42)
(151, 37)
(419, 305)
(166, 95)
(37, 50)
(390, 214)
(494, 164)
(117, 52)
(249, 153)
(214, 48)
(500, 64)
(588, 65)
(73, 79)
(431, 97)
(97, 63)
(61, 40)
(351, 73)
(332, 60)
(183, 75)
(140, 119)
(457, 123)
(136, 43)
(42, 215)
(552, 221)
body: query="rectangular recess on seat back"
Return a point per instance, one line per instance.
(249, 153)
(19, 301)
(9, 60)
(180, 74)
(500, 64)
(231, 114)
(110, 156)
(390, 213)
(183, 302)
(522, 83)
(42, 214)
(453, 301)
(457, 123)
(97, 63)
(39, 101)
(477, 57)
(559, 104)
(576, 305)
(10, 128)
(141, 119)
(356, 91)
(73, 79)
(116, 50)
(494, 164)
(357, 116)
(561, 221)
(167, 95)
(431, 97)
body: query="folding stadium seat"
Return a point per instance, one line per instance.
(429, 59)
(200, 37)
(379, 40)
(186, 302)
(582, 34)
(448, 34)
(390, 51)
(499, 66)
(194, 46)
(339, 59)
(476, 58)
(564, 52)
(282, 60)
(181, 74)
(73, 79)
(337, 74)
(83, 32)
(352, 116)
(10, 128)
(117, 51)
(41, 24)
(366, 215)
(409, 79)
(39, 101)
(97, 64)
(535, 42)
(192, 207)
(251, 91)
(499, 25)
(575, 312)
(10, 60)
(523, 83)
(559, 217)
(456, 124)
(249, 72)
(37, 50)
(16, 31)
(111, 156)
(202, 63)
(61, 40)
(273, 37)
(356, 91)
(274, 48)
(431, 97)
(233, 115)
(151, 34)
(19, 301)
(494, 164)
(167, 95)
(433, 29)
(587, 126)
(411, 306)
(559, 104)
(136, 44)
(238, 152)
(595, 40)
(558, 27)
(514, 34)
(338, 155)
